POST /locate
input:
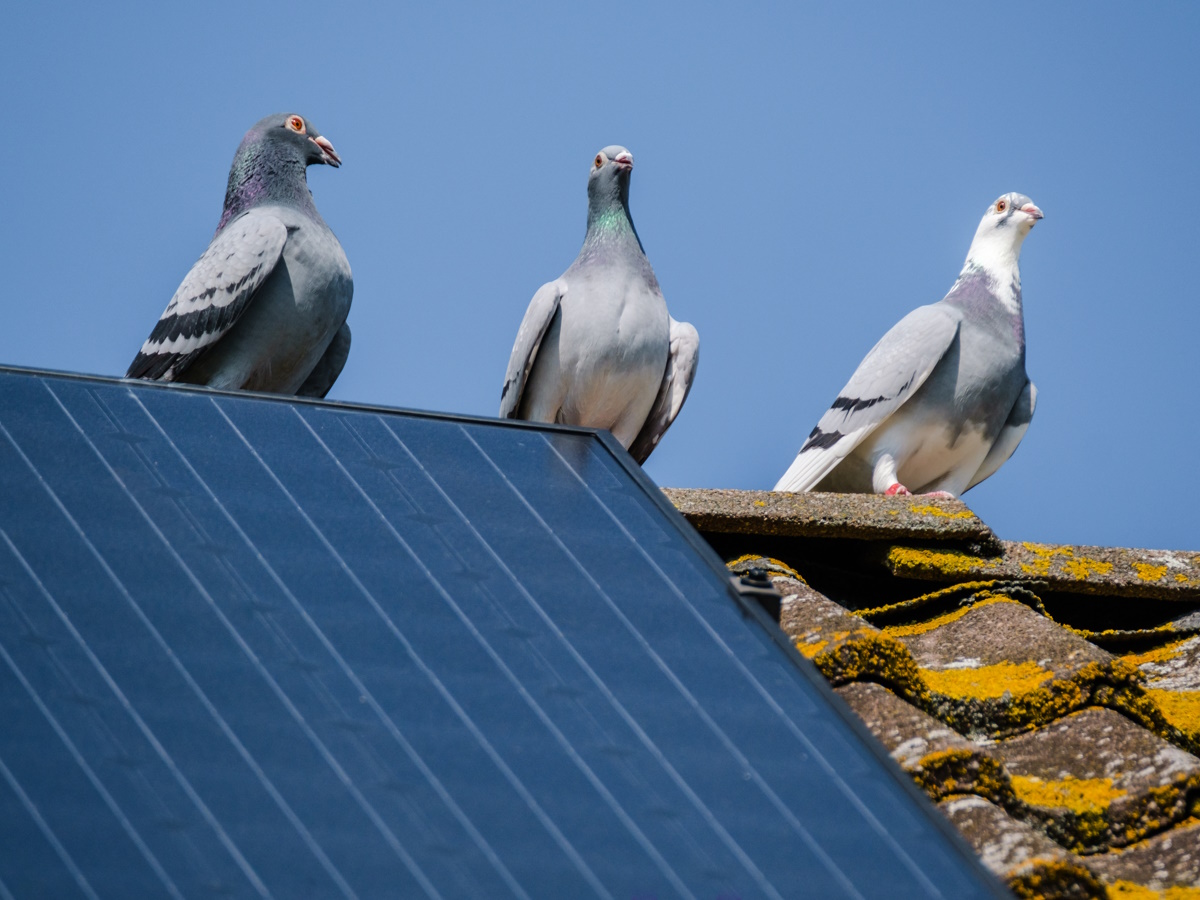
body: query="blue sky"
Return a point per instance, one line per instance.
(805, 176)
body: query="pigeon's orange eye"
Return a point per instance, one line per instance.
(599, 160)
(1001, 206)
(296, 124)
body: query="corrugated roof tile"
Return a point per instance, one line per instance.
(1047, 695)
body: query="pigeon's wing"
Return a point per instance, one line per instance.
(891, 373)
(213, 296)
(1010, 435)
(677, 381)
(329, 367)
(537, 320)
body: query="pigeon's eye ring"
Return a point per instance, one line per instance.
(296, 124)
(1001, 206)
(599, 160)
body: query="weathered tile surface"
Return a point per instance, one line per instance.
(1072, 770)
(1031, 863)
(1165, 861)
(1099, 780)
(855, 516)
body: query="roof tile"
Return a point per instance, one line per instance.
(1031, 863)
(940, 760)
(1055, 721)
(1165, 861)
(857, 516)
(1098, 780)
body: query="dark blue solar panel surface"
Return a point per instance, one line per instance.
(254, 647)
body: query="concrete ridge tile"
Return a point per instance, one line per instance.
(853, 516)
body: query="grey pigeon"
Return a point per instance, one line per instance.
(264, 309)
(597, 347)
(941, 402)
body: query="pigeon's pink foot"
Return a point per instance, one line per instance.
(897, 490)
(940, 495)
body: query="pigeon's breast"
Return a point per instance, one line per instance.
(614, 340)
(940, 437)
(990, 376)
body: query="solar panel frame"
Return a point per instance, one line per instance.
(565, 638)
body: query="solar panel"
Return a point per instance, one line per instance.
(264, 647)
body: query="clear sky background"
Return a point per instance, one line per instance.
(805, 175)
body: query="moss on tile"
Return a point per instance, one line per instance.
(1116, 684)
(1003, 699)
(1078, 567)
(872, 656)
(1159, 655)
(1180, 708)
(931, 510)
(987, 682)
(949, 563)
(1127, 890)
(958, 771)
(1082, 814)
(1055, 879)
(1149, 572)
(1080, 795)
(1043, 557)
(938, 621)
(916, 607)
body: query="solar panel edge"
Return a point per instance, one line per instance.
(335, 405)
(751, 609)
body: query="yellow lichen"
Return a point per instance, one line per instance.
(930, 510)
(938, 562)
(1162, 654)
(1079, 795)
(811, 648)
(871, 656)
(964, 588)
(1180, 708)
(1128, 890)
(1083, 567)
(946, 773)
(1045, 554)
(952, 616)
(986, 682)
(1147, 572)
(1041, 877)
(1079, 568)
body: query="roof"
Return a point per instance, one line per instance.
(1046, 697)
(258, 646)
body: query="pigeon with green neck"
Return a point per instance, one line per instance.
(264, 309)
(597, 347)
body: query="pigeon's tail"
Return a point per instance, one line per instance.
(816, 459)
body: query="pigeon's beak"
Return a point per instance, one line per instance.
(624, 161)
(328, 154)
(1032, 211)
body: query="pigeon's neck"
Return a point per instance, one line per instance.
(610, 226)
(257, 178)
(996, 263)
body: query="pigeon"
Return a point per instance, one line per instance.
(941, 402)
(264, 309)
(597, 347)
